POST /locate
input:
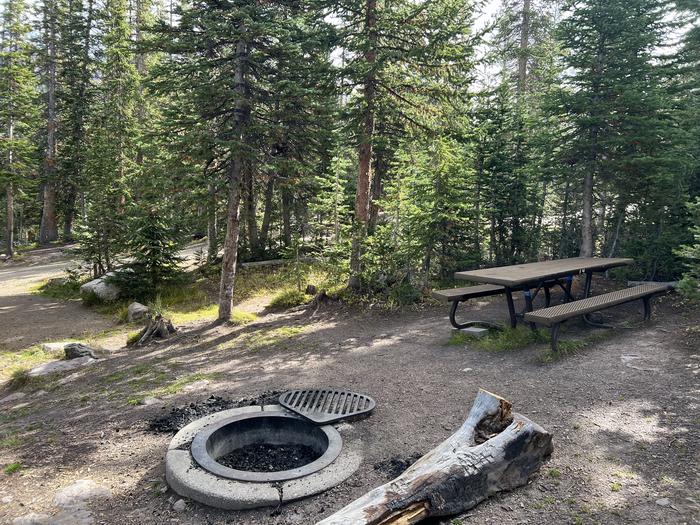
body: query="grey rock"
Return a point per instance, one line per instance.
(79, 493)
(137, 311)
(663, 502)
(60, 366)
(57, 281)
(151, 401)
(101, 288)
(57, 347)
(33, 518)
(76, 350)
(13, 397)
(179, 505)
(7, 499)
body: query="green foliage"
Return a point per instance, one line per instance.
(501, 340)
(67, 290)
(155, 261)
(690, 284)
(12, 468)
(289, 298)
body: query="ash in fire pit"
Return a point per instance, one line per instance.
(264, 457)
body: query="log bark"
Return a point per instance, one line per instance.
(494, 450)
(156, 328)
(228, 263)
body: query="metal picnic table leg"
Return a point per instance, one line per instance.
(586, 294)
(547, 296)
(511, 308)
(528, 305)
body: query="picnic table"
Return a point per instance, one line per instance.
(542, 276)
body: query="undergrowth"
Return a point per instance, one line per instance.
(501, 340)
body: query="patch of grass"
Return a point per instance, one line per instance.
(19, 378)
(10, 440)
(571, 346)
(544, 502)
(204, 313)
(623, 474)
(261, 339)
(615, 486)
(66, 291)
(240, 318)
(132, 337)
(12, 468)
(669, 481)
(554, 473)
(500, 340)
(290, 298)
(27, 358)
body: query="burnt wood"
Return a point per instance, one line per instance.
(493, 450)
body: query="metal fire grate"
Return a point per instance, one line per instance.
(325, 406)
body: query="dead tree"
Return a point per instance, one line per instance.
(157, 327)
(494, 450)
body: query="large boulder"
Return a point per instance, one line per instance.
(137, 311)
(100, 288)
(57, 347)
(60, 366)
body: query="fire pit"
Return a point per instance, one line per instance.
(257, 456)
(262, 447)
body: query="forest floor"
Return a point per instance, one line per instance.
(622, 406)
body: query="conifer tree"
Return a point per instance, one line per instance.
(18, 110)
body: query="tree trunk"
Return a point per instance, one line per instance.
(286, 217)
(10, 224)
(267, 215)
(494, 450)
(523, 51)
(587, 217)
(250, 210)
(364, 176)
(228, 264)
(212, 234)
(48, 230)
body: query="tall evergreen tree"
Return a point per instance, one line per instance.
(18, 110)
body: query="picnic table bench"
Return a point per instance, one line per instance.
(555, 315)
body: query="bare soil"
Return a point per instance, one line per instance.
(623, 410)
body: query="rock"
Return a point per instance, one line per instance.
(101, 288)
(13, 397)
(76, 350)
(179, 505)
(60, 366)
(7, 499)
(32, 519)
(79, 493)
(663, 502)
(57, 347)
(151, 401)
(137, 311)
(310, 289)
(57, 281)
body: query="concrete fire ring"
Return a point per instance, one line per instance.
(190, 480)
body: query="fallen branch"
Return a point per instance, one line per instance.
(494, 450)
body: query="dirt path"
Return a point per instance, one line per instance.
(27, 318)
(623, 411)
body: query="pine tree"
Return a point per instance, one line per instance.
(18, 110)
(617, 137)
(112, 150)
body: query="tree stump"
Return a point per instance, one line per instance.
(494, 450)
(157, 327)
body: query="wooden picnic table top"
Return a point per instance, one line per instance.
(519, 274)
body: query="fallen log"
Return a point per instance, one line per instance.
(494, 450)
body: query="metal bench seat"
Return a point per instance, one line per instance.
(555, 315)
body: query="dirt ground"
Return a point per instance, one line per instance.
(623, 410)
